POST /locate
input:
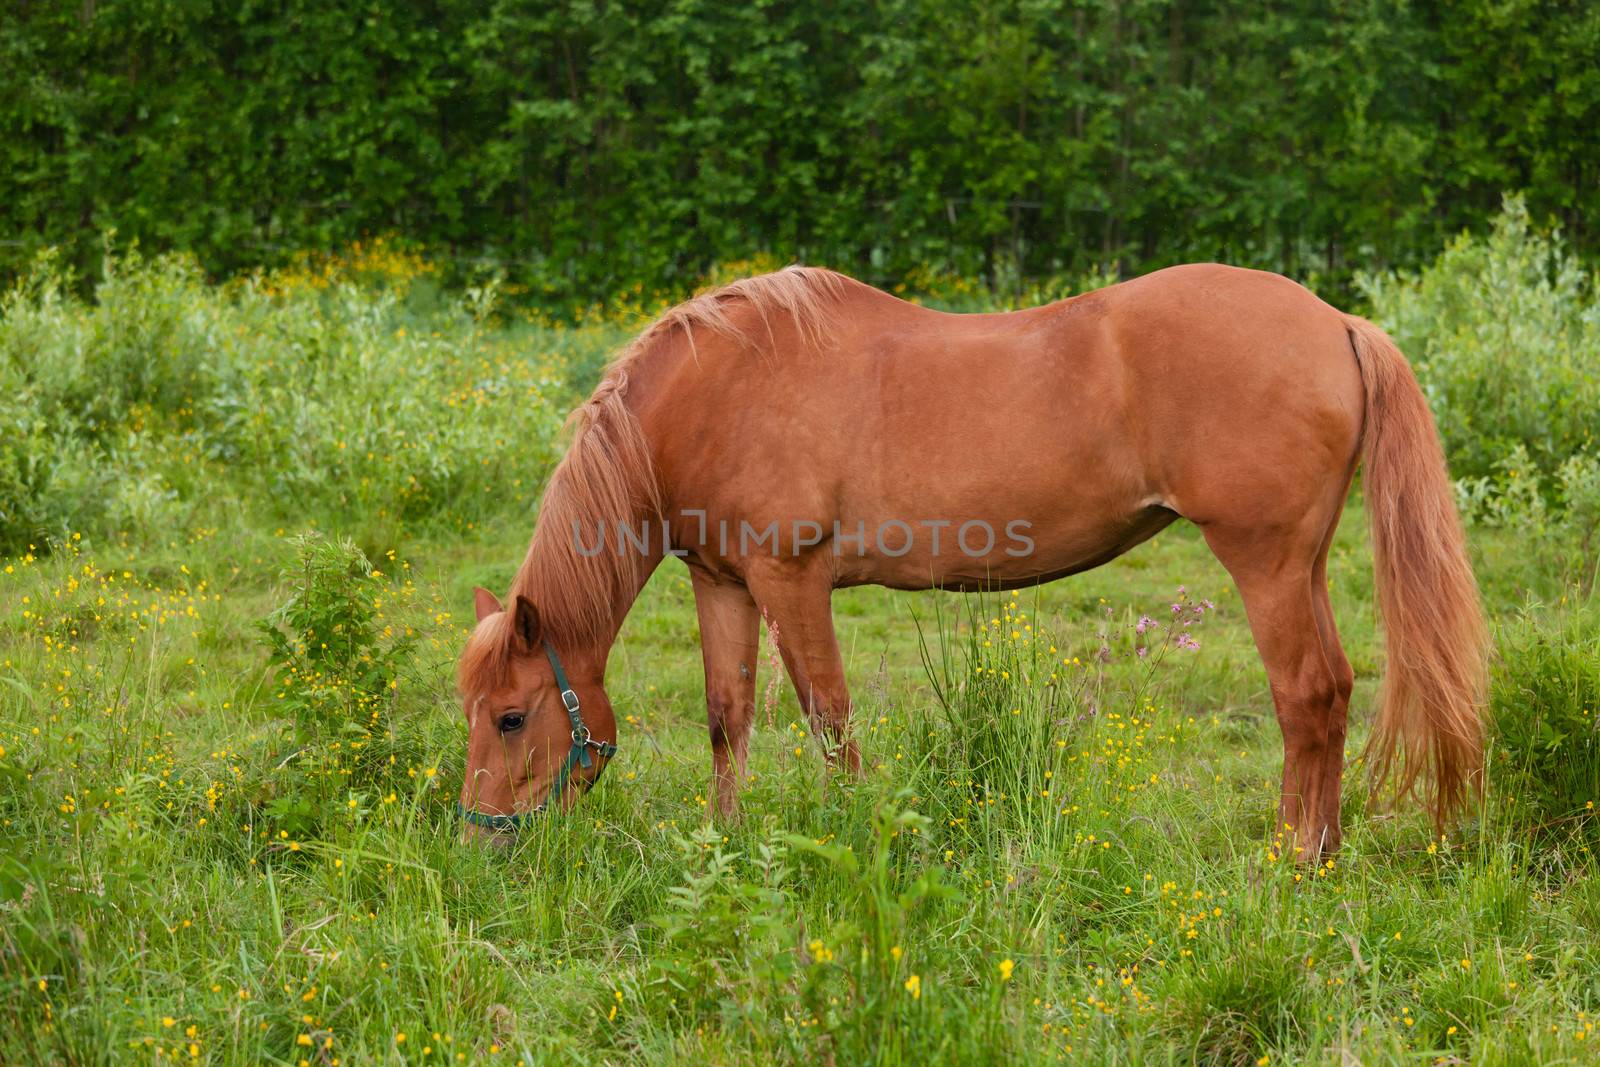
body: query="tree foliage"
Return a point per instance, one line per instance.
(587, 146)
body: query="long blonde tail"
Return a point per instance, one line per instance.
(1433, 689)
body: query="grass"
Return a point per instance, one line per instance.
(164, 898)
(217, 846)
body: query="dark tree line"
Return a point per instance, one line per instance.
(590, 145)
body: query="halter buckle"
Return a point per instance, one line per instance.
(570, 700)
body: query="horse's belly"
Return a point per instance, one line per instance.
(988, 551)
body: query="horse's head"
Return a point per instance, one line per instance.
(529, 742)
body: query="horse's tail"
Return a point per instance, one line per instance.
(1437, 644)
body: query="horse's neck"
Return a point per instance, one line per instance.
(602, 648)
(590, 650)
(581, 565)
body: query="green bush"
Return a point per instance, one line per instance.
(1544, 704)
(337, 666)
(336, 671)
(312, 395)
(1504, 332)
(588, 148)
(48, 484)
(727, 943)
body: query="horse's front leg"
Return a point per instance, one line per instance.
(729, 636)
(798, 601)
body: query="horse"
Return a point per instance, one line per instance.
(797, 432)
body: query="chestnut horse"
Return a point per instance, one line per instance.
(800, 431)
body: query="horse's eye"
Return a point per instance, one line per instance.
(510, 723)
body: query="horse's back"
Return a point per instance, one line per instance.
(1153, 389)
(1204, 391)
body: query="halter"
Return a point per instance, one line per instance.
(577, 755)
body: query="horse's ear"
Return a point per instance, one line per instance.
(484, 602)
(525, 621)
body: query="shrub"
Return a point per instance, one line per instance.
(726, 941)
(334, 392)
(49, 485)
(337, 668)
(1504, 333)
(1544, 703)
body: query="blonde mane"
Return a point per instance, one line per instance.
(608, 475)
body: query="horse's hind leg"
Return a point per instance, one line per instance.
(1275, 570)
(1343, 684)
(729, 637)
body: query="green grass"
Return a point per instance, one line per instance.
(156, 866)
(207, 858)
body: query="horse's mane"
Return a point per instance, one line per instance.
(608, 476)
(804, 293)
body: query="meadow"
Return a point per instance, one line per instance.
(240, 525)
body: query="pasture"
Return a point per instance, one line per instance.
(242, 525)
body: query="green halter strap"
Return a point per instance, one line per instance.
(577, 755)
